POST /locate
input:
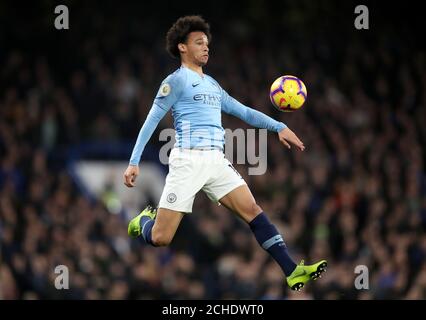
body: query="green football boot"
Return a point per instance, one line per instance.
(134, 229)
(302, 274)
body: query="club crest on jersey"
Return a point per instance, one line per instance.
(164, 90)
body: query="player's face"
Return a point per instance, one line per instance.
(197, 45)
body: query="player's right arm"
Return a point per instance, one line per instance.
(259, 120)
(167, 95)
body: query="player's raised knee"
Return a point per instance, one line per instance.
(256, 208)
(252, 209)
(161, 239)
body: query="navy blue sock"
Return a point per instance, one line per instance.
(146, 224)
(270, 240)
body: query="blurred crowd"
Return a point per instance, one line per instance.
(356, 195)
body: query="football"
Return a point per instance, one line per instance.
(288, 93)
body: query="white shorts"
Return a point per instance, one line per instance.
(193, 170)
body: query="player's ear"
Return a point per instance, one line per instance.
(182, 47)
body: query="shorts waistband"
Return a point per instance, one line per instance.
(211, 148)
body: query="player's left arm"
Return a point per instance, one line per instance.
(260, 120)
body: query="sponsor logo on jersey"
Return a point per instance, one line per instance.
(208, 98)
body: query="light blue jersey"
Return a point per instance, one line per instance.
(196, 103)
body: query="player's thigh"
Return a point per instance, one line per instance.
(241, 201)
(223, 179)
(166, 223)
(185, 178)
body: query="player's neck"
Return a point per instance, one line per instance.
(194, 67)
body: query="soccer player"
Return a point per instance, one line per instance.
(197, 161)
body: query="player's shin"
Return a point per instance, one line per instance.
(146, 224)
(269, 238)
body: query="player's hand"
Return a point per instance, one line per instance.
(130, 175)
(286, 136)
